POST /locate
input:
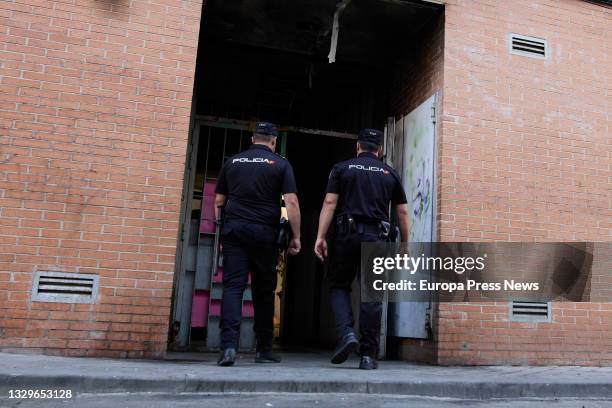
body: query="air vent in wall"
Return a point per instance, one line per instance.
(528, 46)
(64, 287)
(530, 311)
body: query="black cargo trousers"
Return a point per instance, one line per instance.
(345, 266)
(248, 247)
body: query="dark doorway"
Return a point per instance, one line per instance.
(307, 319)
(268, 60)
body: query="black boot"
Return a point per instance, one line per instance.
(267, 357)
(368, 363)
(227, 357)
(348, 344)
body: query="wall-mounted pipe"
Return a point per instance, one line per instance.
(336, 29)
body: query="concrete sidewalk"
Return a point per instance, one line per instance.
(300, 373)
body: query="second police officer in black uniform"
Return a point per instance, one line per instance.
(250, 187)
(360, 189)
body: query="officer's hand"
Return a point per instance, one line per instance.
(321, 249)
(294, 246)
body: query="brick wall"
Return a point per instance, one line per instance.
(526, 156)
(95, 102)
(94, 111)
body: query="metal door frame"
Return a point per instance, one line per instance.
(184, 229)
(199, 121)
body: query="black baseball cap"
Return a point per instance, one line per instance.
(265, 128)
(371, 136)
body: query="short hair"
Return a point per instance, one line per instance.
(263, 138)
(368, 146)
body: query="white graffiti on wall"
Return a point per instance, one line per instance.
(419, 171)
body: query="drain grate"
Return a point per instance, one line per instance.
(64, 287)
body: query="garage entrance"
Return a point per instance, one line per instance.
(277, 61)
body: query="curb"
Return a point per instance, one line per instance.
(456, 389)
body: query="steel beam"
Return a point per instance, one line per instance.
(238, 124)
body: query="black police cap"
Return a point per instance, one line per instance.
(371, 136)
(265, 128)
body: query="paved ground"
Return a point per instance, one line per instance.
(298, 373)
(150, 400)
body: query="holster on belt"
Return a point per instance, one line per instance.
(389, 232)
(385, 230)
(345, 224)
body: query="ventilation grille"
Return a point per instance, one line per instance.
(528, 46)
(64, 287)
(530, 311)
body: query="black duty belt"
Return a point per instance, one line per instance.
(347, 224)
(367, 228)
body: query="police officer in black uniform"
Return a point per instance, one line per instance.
(361, 189)
(249, 188)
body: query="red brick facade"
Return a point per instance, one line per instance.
(525, 155)
(94, 115)
(95, 101)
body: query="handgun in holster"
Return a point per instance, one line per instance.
(216, 252)
(388, 232)
(384, 229)
(284, 234)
